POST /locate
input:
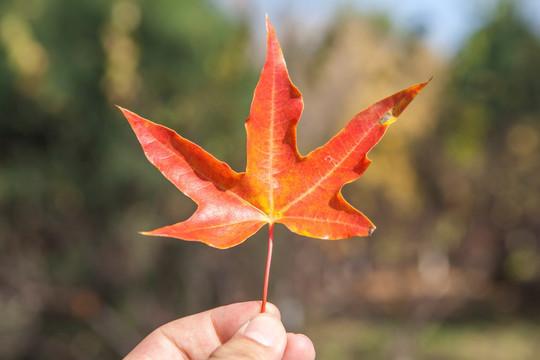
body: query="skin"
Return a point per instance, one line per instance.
(237, 331)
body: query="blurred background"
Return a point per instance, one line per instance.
(453, 270)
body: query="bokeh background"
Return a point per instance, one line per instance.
(453, 270)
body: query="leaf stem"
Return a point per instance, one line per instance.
(268, 262)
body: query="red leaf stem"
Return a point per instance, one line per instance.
(268, 262)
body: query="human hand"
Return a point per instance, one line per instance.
(236, 331)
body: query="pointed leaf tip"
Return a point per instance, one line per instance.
(120, 108)
(124, 111)
(403, 99)
(269, 27)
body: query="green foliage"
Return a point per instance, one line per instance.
(486, 173)
(495, 84)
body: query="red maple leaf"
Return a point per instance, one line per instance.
(279, 185)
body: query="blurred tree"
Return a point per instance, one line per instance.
(482, 169)
(74, 184)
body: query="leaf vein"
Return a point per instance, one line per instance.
(336, 166)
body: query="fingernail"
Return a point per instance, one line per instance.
(264, 329)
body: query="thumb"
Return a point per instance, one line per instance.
(262, 338)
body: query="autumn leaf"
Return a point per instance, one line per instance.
(279, 185)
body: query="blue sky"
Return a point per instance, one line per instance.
(447, 23)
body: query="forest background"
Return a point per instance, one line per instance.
(452, 272)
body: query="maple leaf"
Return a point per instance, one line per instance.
(279, 185)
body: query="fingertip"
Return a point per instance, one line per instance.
(299, 347)
(266, 329)
(263, 337)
